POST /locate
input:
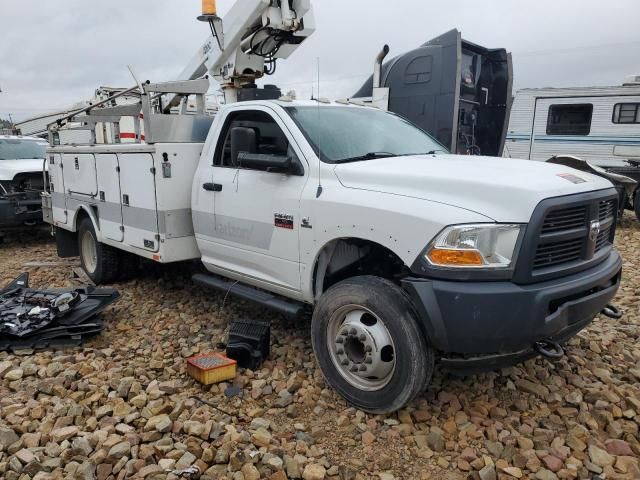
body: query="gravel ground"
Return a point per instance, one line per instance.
(123, 407)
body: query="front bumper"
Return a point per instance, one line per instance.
(488, 325)
(18, 211)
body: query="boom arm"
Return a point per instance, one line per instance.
(256, 33)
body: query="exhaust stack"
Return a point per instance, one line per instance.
(377, 67)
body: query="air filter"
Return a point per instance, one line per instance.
(210, 368)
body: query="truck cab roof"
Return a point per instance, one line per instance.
(298, 103)
(22, 137)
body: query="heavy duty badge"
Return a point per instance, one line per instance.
(283, 221)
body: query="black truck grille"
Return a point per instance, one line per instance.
(575, 233)
(564, 219)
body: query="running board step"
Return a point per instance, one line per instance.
(268, 300)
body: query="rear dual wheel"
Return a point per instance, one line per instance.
(101, 262)
(369, 346)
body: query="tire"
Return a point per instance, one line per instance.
(100, 262)
(367, 312)
(636, 204)
(129, 265)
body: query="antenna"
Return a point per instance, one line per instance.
(319, 192)
(135, 79)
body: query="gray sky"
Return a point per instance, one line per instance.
(55, 53)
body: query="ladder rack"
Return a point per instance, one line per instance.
(152, 121)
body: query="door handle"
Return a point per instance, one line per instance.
(212, 187)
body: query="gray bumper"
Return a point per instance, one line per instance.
(485, 325)
(18, 211)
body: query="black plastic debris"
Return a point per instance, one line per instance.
(38, 319)
(249, 342)
(233, 391)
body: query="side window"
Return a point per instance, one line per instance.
(570, 119)
(271, 140)
(626, 113)
(419, 70)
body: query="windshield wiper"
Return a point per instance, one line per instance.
(366, 156)
(430, 152)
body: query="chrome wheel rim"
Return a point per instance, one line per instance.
(361, 347)
(89, 252)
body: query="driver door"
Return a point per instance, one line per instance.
(257, 211)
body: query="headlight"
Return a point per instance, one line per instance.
(489, 246)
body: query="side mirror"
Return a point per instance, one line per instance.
(243, 140)
(273, 163)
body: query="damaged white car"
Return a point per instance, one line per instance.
(21, 181)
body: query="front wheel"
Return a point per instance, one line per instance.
(100, 262)
(369, 346)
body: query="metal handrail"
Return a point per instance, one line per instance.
(60, 121)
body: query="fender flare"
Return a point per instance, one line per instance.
(92, 216)
(323, 255)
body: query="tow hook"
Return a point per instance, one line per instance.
(612, 311)
(549, 349)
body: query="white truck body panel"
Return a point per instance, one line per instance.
(608, 144)
(153, 220)
(107, 172)
(481, 183)
(243, 237)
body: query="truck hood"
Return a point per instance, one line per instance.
(503, 189)
(10, 168)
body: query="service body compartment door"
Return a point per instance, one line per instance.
(80, 174)
(138, 196)
(58, 197)
(109, 196)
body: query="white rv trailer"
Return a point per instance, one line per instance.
(598, 124)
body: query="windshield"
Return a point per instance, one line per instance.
(20, 149)
(343, 134)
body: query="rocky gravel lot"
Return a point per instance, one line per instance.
(123, 406)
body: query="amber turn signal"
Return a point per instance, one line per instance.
(448, 257)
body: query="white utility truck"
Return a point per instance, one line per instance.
(406, 254)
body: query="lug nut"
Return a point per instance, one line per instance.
(344, 333)
(340, 351)
(368, 361)
(339, 340)
(362, 337)
(363, 368)
(353, 331)
(368, 349)
(354, 369)
(345, 362)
